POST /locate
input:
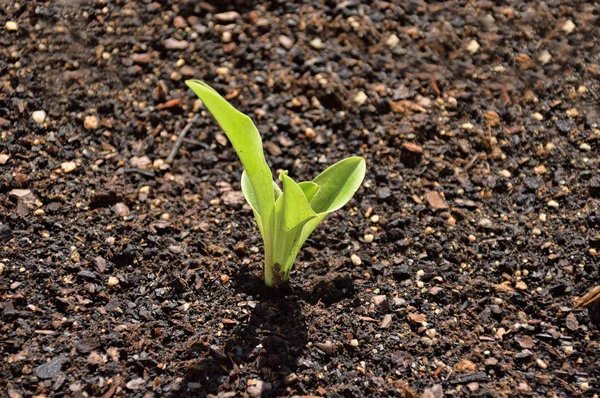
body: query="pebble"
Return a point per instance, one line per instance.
(286, 42)
(585, 147)
(473, 46)
(355, 259)
(354, 343)
(472, 238)
(228, 16)
(121, 209)
(568, 27)
(536, 231)
(112, 281)
(541, 364)
(226, 37)
(552, 203)
(174, 44)
(4, 158)
(90, 122)
(545, 57)
(505, 173)
(392, 41)
(360, 98)
(572, 112)
(375, 218)
(51, 369)
(520, 285)
(316, 43)
(135, 383)
(485, 223)
(11, 26)
(176, 76)
(39, 117)
(401, 273)
(368, 238)
(537, 116)
(179, 22)
(222, 71)
(68, 167)
(429, 231)
(467, 126)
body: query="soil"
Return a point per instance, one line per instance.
(452, 271)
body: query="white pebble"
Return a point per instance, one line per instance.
(360, 98)
(552, 203)
(392, 41)
(585, 146)
(355, 259)
(11, 26)
(368, 238)
(568, 27)
(316, 43)
(112, 281)
(473, 46)
(39, 117)
(545, 57)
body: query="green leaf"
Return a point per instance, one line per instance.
(337, 184)
(247, 144)
(258, 187)
(292, 212)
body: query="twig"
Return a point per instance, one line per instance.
(179, 141)
(146, 173)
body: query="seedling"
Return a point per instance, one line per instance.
(285, 217)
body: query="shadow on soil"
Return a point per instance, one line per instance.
(270, 343)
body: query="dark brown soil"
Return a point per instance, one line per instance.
(122, 275)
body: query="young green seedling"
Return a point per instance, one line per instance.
(285, 217)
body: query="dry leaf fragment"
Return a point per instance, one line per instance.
(591, 297)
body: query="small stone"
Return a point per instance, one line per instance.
(95, 359)
(379, 299)
(485, 223)
(179, 22)
(259, 388)
(436, 201)
(429, 231)
(585, 146)
(537, 116)
(467, 126)
(418, 319)
(375, 218)
(112, 281)
(541, 364)
(19, 193)
(286, 42)
(310, 133)
(355, 259)
(492, 118)
(536, 232)
(392, 41)
(222, 71)
(473, 387)
(354, 343)
(572, 112)
(174, 44)
(539, 170)
(90, 122)
(360, 98)
(4, 158)
(545, 57)
(51, 369)
(228, 16)
(39, 117)
(505, 173)
(140, 162)
(491, 362)
(572, 323)
(471, 238)
(68, 167)
(568, 27)
(552, 203)
(368, 238)
(135, 384)
(472, 46)
(386, 321)
(464, 366)
(524, 388)
(316, 43)
(176, 76)
(451, 221)
(226, 37)
(520, 285)
(121, 209)
(11, 26)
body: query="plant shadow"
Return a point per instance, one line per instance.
(268, 346)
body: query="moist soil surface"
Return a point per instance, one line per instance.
(131, 269)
